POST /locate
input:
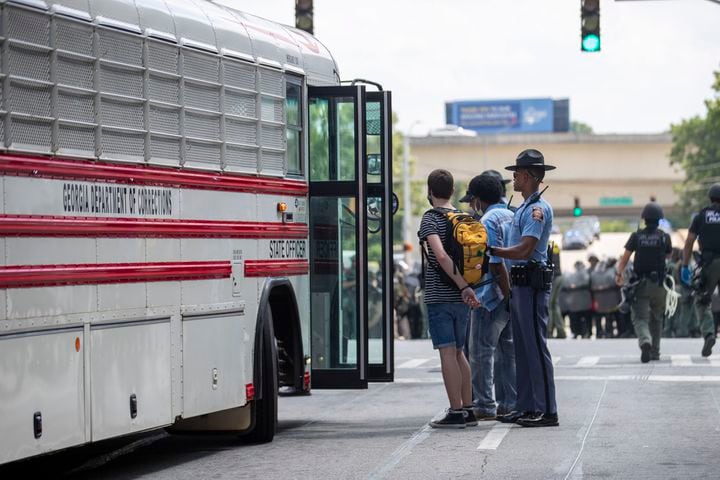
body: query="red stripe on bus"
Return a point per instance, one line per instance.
(44, 167)
(26, 276)
(46, 226)
(276, 268)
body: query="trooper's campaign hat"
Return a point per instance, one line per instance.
(530, 158)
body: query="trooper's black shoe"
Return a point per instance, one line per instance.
(709, 343)
(645, 355)
(512, 417)
(655, 356)
(542, 420)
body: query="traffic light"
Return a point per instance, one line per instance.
(577, 210)
(304, 15)
(590, 25)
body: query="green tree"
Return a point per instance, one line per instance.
(696, 149)
(580, 127)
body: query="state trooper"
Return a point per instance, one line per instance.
(531, 278)
(652, 246)
(705, 227)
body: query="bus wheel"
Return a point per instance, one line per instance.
(265, 408)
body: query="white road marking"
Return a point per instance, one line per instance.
(494, 437)
(587, 361)
(415, 362)
(582, 446)
(556, 360)
(402, 451)
(649, 378)
(419, 380)
(680, 360)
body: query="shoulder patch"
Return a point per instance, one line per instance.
(537, 214)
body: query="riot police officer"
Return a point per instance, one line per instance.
(651, 246)
(705, 228)
(531, 279)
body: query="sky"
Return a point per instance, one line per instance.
(655, 68)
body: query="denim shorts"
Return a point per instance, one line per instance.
(448, 324)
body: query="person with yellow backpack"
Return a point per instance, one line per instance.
(492, 352)
(448, 294)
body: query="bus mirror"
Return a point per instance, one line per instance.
(395, 203)
(374, 164)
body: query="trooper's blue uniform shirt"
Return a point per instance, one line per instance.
(532, 219)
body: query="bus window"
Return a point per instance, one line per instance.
(294, 126)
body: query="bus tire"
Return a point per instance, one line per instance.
(265, 408)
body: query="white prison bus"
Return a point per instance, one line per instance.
(195, 215)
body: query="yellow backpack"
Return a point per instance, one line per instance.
(466, 243)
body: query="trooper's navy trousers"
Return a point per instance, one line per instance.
(534, 367)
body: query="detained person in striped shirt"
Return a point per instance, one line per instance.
(448, 306)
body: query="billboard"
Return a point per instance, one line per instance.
(504, 116)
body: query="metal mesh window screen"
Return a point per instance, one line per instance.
(272, 137)
(74, 72)
(31, 27)
(33, 133)
(240, 104)
(240, 75)
(241, 158)
(29, 62)
(273, 110)
(163, 57)
(30, 99)
(121, 81)
(76, 106)
(201, 66)
(238, 131)
(272, 162)
(204, 154)
(202, 126)
(372, 115)
(164, 89)
(73, 37)
(165, 120)
(165, 149)
(123, 144)
(117, 113)
(271, 82)
(120, 47)
(202, 97)
(76, 139)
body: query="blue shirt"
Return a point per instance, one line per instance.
(497, 220)
(532, 219)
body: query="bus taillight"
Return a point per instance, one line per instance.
(250, 392)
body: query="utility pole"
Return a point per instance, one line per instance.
(407, 210)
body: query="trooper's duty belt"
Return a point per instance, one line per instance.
(532, 274)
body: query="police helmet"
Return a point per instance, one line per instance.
(714, 192)
(652, 211)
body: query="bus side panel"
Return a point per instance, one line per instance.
(41, 373)
(217, 353)
(130, 368)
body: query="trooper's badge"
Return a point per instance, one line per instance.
(537, 214)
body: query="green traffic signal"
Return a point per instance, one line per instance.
(577, 211)
(591, 43)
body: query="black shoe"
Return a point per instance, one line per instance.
(655, 356)
(543, 420)
(470, 420)
(707, 348)
(511, 417)
(645, 355)
(452, 419)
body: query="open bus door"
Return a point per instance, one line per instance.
(350, 218)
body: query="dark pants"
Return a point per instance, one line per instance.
(535, 373)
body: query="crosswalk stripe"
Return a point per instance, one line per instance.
(680, 360)
(494, 437)
(415, 362)
(556, 360)
(587, 361)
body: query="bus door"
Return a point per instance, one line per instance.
(349, 219)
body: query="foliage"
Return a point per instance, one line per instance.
(580, 127)
(696, 149)
(608, 226)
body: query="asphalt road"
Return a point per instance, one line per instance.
(618, 419)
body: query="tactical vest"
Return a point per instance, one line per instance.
(709, 232)
(650, 253)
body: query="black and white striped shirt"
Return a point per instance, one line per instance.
(436, 291)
